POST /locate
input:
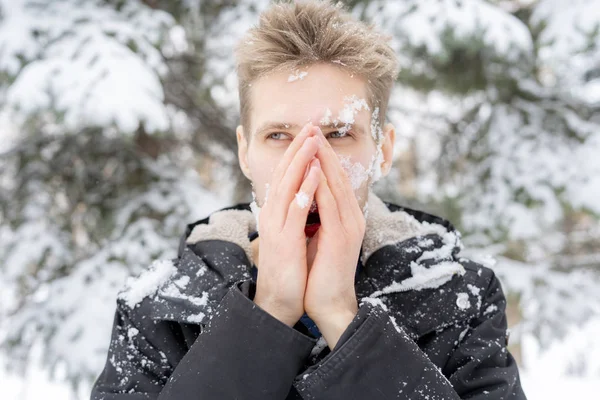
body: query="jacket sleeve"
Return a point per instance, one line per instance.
(244, 353)
(376, 359)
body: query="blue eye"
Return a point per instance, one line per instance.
(332, 135)
(341, 133)
(270, 136)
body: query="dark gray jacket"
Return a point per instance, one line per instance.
(431, 325)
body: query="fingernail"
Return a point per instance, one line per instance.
(316, 162)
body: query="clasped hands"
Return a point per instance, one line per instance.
(317, 278)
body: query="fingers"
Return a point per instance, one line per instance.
(329, 213)
(298, 209)
(282, 191)
(338, 180)
(289, 155)
(294, 175)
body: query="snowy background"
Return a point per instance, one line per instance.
(117, 123)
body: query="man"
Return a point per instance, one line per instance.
(317, 289)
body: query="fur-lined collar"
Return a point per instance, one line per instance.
(386, 224)
(404, 251)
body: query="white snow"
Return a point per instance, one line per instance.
(255, 210)
(197, 318)
(100, 80)
(490, 309)
(90, 75)
(326, 120)
(473, 289)
(148, 282)
(462, 334)
(356, 172)
(346, 116)
(462, 301)
(424, 278)
(298, 75)
(302, 199)
(422, 23)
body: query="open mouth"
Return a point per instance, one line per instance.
(313, 218)
(313, 223)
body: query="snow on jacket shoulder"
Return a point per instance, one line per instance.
(430, 324)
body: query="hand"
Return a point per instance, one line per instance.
(330, 297)
(282, 259)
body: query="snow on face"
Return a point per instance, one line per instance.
(255, 210)
(254, 207)
(297, 75)
(377, 159)
(356, 172)
(346, 116)
(326, 120)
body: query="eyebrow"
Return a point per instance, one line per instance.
(272, 125)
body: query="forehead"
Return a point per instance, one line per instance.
(297, 97)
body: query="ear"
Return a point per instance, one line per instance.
(243, 151)
(389, 138)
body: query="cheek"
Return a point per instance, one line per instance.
(357, 167)
(262, 167)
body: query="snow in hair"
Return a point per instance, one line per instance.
(290, 36)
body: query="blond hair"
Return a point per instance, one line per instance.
(299, 34)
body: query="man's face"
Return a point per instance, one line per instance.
(326, 96)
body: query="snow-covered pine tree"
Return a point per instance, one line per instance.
(116, 103)
(98, 179)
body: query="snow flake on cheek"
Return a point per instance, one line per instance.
(255, 209)
(377, 159)
(355, 171)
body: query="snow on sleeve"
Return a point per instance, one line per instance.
(147, 282)
(462, 301)
(475, 291)
(172, 290)
(425, 278)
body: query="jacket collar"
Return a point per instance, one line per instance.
(386, 224)
(404, 251)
